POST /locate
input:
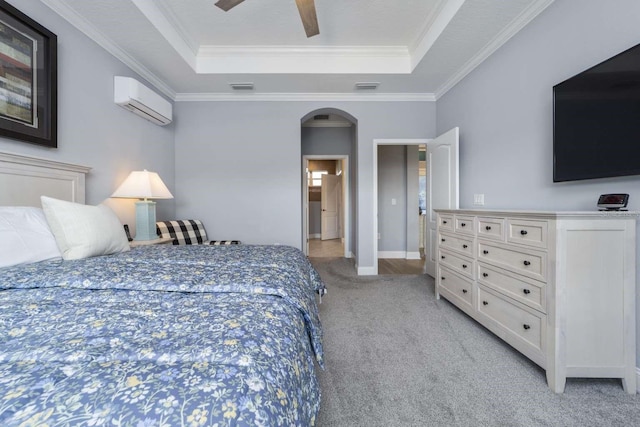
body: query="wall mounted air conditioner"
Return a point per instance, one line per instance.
(139, 99)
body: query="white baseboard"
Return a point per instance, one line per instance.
(392, 254)
(349, 255)
(638, 379)
(315, 236)
(413, 255)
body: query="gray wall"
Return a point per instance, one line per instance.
(392, 184)
(92, 130)
(245, 179)
(413, 189)
(505, 113)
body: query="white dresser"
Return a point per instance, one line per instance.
(557, 286)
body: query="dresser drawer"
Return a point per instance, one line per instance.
(445, 222)
(458, 287)
(527, 262)
(527, 326)
(458, 263)
(465, 225)
(530, 233)
(457, 243)
(527, 291)
(491, 228)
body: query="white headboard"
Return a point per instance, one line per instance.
(24, 179)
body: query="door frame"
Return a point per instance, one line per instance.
(376, 143)
(346, 200)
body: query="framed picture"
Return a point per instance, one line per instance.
(28, 79)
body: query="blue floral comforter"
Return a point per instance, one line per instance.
(162, 336)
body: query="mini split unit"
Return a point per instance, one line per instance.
(139, 99)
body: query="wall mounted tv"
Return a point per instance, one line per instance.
(596, 121)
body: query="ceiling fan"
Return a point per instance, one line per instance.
(307, 9)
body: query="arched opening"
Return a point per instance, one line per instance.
(329, 170)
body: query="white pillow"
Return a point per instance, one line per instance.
(25, 236)
(83, 231)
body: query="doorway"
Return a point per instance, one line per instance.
(326, 206)
(442, 187)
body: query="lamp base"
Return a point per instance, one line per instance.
(145, 220)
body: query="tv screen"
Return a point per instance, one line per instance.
(596, 123)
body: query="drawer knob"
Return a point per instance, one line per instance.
(486, 252)
(488, 228)
(464, 291)
(526, 291)
(442, 278)
(485, 302)
(527, 263)
(463, 224)
(464, 246)
(485, 274)
(442, 240)
(464, 265)
(444, 222)
(442, 257)
(523, 232)
(526, 327)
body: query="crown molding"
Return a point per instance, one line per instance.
(500, 39)
(71, 16)
(333, 97)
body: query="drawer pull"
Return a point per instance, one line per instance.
(523, 232)
(527, 263)
(444, 222)
(463, 224)
(442, 278)
(464, 291)
(442, 240)
(488, 228)
(486, 252)
(464, 246)
(442, 257)
(526, 291)
(464, 265)
(526, 327)
(485, 274)
(485, 302)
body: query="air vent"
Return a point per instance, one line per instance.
(321, 117)
(242, 86)
(367, 85)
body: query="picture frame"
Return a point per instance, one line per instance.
(28, 79)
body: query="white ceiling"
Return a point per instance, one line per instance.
(192, 50)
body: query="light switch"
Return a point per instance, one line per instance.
(478, 199)
(393, 202)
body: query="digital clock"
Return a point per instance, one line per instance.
(613, 202)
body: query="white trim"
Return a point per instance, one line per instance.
(314, 236)
(518, 23)
(438, 22)
(335, 97)
(326, 124)
(88, 29)
(413, 255)
(367, 271)
(392, 254)
(376, 142)
(638, 379)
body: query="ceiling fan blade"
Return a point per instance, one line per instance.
(228, 4)
(307, 9)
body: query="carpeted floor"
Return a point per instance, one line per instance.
(395, 356)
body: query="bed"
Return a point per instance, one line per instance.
(159, 335)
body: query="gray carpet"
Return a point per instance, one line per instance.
(395, 356)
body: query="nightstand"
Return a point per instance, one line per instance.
(160, 241)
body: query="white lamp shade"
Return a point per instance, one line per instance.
(143, 185)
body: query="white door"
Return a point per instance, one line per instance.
(330, 224)
(442, 188)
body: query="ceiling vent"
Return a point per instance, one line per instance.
(242, 86)
(367, 85)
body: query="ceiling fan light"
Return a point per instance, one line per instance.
(242, 86)
(367, 85)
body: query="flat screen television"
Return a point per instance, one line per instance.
(596, 121)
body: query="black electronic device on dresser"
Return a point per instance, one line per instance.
(613, 202)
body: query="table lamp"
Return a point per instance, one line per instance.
(144, 185)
